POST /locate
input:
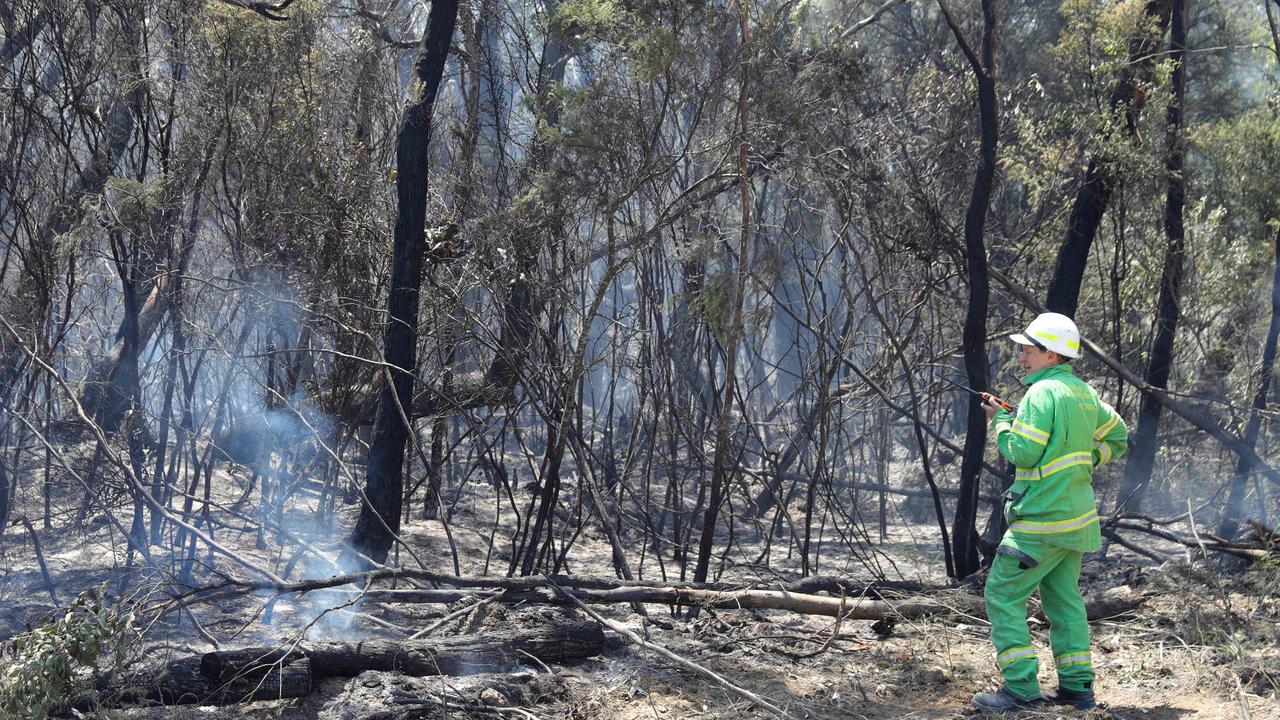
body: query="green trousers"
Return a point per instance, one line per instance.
(1021, 566)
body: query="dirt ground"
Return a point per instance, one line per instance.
(1202, 645)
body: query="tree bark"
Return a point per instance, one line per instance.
(380, 514)
(1127, 98)
(964, 531)
(1142, 448)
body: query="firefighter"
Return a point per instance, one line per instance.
(1061, 432)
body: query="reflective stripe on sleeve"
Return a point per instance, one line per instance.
(1102, 431)
(1030, 432)
(1027, 474)
(1050, 528)
(1105, 453)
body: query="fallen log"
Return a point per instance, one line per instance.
(264, 674)
(226, 677)
(501, 651)
(850, 607)
(853, 608)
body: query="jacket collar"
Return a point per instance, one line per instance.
(1048, 372)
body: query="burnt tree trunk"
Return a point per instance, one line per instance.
(1127, 97)
(380, 514)
(1142, 447)
(964, 529)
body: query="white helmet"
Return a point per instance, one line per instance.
(1051, 331)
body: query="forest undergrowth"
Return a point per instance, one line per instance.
(1197, 636)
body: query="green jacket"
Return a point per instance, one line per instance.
(1062, 432)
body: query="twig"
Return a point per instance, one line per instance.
(835, 632)
(537, 660)
(978, 68)
(667, 654)
(1222, 592)
(455, 614)
(1244, 703)
(44, 569)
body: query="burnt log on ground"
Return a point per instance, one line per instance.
(225, 677)
(264, 674)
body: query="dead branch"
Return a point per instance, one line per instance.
(44, 569)
(1246, 552)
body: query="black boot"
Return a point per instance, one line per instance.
(1005, 700)
(1078, 699)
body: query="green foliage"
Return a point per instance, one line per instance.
(715, 303)
(49, 665)
(1095, 40)
(589, 17)
(130, 204)
(1242, 156)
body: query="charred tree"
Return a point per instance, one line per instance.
(1142, 446)
(380, 513)
(1094, 195)
(1234, 511)
(964, 528)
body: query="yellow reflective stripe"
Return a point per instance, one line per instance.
(1063, 462)
(1102, 431)
(1030, 432)
(1066, 461)
(1081, 658)
(1014, 654)
(1104, 452)
(1027, 474)
(1061, 526)
(1051, 337)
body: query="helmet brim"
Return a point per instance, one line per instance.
(1022, 339)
